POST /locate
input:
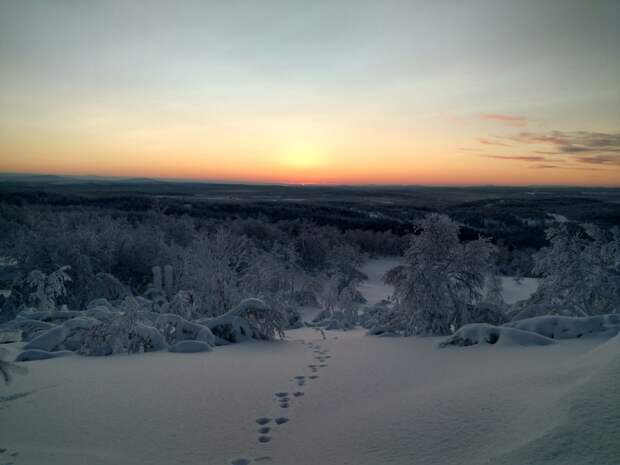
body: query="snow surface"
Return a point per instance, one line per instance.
(362, 401)
(515, 289)
(374, 289)
(482, 333)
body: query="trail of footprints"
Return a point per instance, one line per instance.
(283, 399)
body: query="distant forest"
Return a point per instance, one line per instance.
(41, 216)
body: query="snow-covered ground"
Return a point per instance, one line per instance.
(515, 289)
(374, 289)
(374, 401)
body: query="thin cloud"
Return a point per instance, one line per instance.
(612, 160)
(553, 138)
(595, 148)
(572, 142)
(485, 141)
(544, 167)
(516, 157)
(510, 120)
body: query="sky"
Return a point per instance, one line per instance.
(321, 92)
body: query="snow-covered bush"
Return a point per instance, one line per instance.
(29, 328)
(67, 336)
(175, 329)
(375, 317)
(580, 271)
(252, 318)
(122, 333)
(184, 304)
(440, 282)
(482, 312)
(336, 319)
(214, 267)
(46, 288)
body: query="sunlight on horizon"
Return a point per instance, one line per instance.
(303, 155)
(338, 92)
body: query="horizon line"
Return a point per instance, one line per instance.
(116, 178)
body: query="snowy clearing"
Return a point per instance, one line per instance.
(346, 399)
(516, 289)
(379, 400)
(374, 289)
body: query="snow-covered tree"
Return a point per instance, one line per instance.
(494, 290)
(441, 279)
(46, 288)
(580, 271)
(214, 267)
(184, 304)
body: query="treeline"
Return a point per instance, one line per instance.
(250, 255)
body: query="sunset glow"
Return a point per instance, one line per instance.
(325, 92)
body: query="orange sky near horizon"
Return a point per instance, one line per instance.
(281, 152)
(326, 92)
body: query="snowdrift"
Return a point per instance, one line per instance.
(588, 416)
(482, 333)
(564, 327)
(543, 330)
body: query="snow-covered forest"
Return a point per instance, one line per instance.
(250, 295)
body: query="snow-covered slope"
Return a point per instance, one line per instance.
(378, 400)
(349, 399)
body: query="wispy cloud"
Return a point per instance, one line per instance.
(572, 142)
(510, 120)
(613, 160)
(596, 148)
(543, 166)
(516, 157)
(485, 141)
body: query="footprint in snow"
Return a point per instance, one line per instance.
(264, 438)
(281, 394)
(281, 420)
(264, 429)
(298, 394)
(263, 420)
(314, 377)
(242, 461)
(284, 404)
